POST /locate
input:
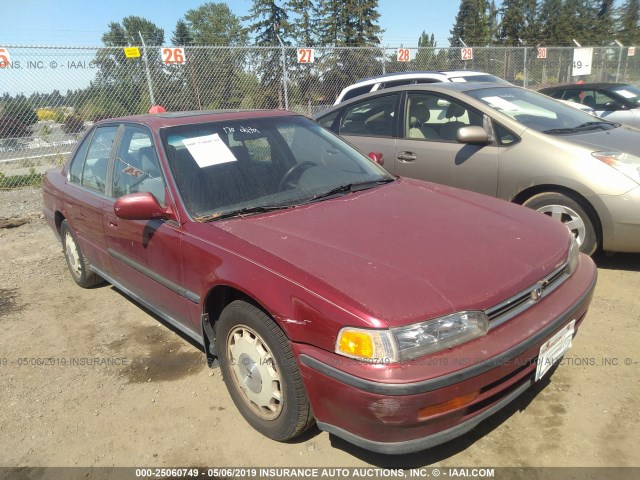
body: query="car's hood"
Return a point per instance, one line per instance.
(409, 250)
(620, 139)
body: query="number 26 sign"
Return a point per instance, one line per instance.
(172, 55)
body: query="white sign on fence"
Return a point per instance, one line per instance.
(306, 55)
(542, 52)
(403, 55)
(172, 55)
(5, 58)
(631, 52)
(582, 58)
(466, 53)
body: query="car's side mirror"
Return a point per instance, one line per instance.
(377, 157)
(474, 135)
(139, 206)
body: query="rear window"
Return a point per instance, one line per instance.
(356, 92)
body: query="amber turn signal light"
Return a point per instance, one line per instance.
(447, 406)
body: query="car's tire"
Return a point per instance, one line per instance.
(270, 395)
(76, 261)
(571, 213)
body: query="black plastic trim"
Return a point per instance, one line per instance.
(165, 282)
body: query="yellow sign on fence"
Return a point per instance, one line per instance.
(132, 52)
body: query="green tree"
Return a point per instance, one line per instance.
(427, 57)
(551, 31)
(519, 22)
(629, 22)
(213, 24)
(122, 81)
(331, 22)
(304, 26)
(181, 34)
(471, 24)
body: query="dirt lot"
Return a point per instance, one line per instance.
(161, 406)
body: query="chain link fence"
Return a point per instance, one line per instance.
(51, 95)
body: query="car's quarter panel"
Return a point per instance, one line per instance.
(359, 397)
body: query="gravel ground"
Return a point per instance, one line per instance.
(161, 406)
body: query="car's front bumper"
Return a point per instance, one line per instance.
(621, 226)
(376, 406)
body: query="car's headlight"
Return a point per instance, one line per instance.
(574, 255)
(412, 341)
(623, 162)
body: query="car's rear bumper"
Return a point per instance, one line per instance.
(366, 404)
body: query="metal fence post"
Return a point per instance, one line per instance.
(146, 66)
(284, 74)
(619, 62)
(524, 70)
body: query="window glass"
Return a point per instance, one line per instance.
(432, 116)
(238, 165)
(356, 92)
(505, 137)
(137, 168)
(94, 173)
(373, 117)
(75, 172)
(327, 121)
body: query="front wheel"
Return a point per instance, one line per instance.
(261, 373)
(571, 214)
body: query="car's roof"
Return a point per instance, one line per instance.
(167, 119)
(578, 86)
(419, 73)
(442, 87)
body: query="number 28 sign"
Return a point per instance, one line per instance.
(306, 55)
(172, 55)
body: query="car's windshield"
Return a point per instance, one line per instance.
(628, 92)
(537, 111)
(256, 164)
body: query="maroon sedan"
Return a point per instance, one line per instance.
(394, 313)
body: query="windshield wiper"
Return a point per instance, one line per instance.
(349, 188)
(241, 212)
(588, 125)
(583, 126)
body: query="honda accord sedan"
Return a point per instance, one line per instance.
(510, 143)
(396, 314)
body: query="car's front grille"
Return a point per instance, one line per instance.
(528, 297)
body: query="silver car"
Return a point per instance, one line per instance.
(507, 142)
(615, 102)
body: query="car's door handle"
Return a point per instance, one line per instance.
(406, 156)
(112, 223)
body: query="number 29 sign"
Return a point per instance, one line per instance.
(172, 55)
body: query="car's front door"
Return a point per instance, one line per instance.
(146, 254)
(370, 125)
(428, 148)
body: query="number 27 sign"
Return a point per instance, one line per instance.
(306, 55)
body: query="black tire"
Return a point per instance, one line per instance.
(571, 213)
(292, 415)
(76, 262)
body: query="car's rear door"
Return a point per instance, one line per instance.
(86, 193)
(146, 254)
(428, 150)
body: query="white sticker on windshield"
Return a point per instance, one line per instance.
(625, 93)
(208, 150)
(501, 103)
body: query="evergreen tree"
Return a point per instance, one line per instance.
(214, 24)
(181, 35)
(305, 22)
(331, 22)
(549, 22)
(519, 22)
(629, 22)
(470, 24)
